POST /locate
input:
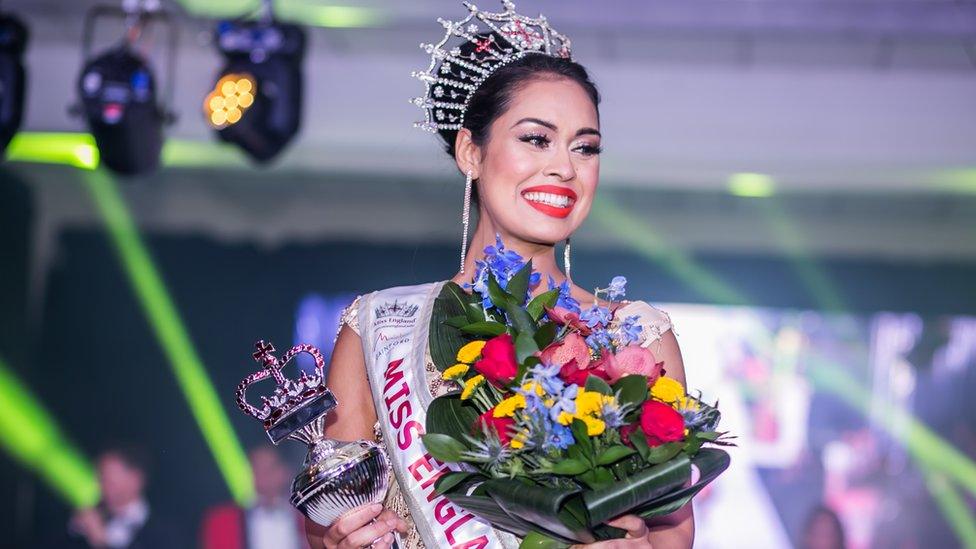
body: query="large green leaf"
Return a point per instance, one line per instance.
(449, 415)
(546, 334)
(443, 447)
(622, 496)
(484, 328)
(539, 303)
(445, 340)
(596, 384)
(711, 462)
(517, 316)
(525, 347)
(535, 540)
(518, 285)
(631, 389)
(537, 504)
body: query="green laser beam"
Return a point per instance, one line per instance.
(302, 12)
(72, 149)
(811, 274)
(649, 243)
(172, 336)
(953, 507)
(32, 437)
(901, 425)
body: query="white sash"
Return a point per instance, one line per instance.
(394, 325)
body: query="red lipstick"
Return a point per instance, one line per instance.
(550, 209)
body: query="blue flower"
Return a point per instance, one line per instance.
(565, 403)
(560, 436)
(596, 315)
(547, 377)
(617, 288)
(599, 339)
(502, 264)
(630, 330)
(565, 299)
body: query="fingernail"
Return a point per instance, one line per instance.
(388, 537)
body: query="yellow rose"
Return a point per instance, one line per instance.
(470, 352)
(470, 385)
(507, 407)
(456, 371)
(667, 390)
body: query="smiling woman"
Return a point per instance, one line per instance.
(520, 120)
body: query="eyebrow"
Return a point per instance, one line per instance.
(553, 127)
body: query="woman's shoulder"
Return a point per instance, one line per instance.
(654, 321)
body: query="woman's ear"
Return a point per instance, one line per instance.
(466, 153)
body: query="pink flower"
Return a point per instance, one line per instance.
(633, 360)
(572, 347)
(565, 317)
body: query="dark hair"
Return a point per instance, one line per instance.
(133, 456)
(495, 94)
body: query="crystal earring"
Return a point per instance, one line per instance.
(566, 263)
(465, 217)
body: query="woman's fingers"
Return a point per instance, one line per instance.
(401, 525)
(353, 521)
(369, 534)
(634, 525)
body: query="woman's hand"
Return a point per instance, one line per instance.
(638, 535)
(88, 522)
(368, 526)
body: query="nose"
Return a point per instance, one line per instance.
(561, 165)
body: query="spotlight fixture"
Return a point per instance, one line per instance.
(118, 91)
(257, 100)
(13, 40)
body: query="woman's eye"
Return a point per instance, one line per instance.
(589, 150)
(539, 141)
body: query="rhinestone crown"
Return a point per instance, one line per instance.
(498, 39)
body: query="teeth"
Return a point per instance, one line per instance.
(550, 199)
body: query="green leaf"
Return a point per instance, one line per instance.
(443, 447)
(596, 478)
(535, 540)
(499, 297)
(545, 334)
(639, 441)
(692, 445)
(525, 346)
(631, 389)
(614, 453)
(458, 321)
(445, 340)
(518, 285)
(447, 481)
(711, 462)
(484, 328)
(594, 383)
(583, 441)
(539, 303)
(664, 452)
(622, 496)
(449, 415)
(570, 467)
(710, 436)
(537, 504)
(517, 316)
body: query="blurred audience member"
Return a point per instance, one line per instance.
(271, 523)
(823, 530)
(123, 518)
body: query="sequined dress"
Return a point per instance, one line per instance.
(654, 321)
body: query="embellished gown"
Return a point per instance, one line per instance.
(654, 322)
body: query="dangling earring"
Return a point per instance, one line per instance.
(566, 264)
(465, 217)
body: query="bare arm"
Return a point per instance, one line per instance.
(353, 419)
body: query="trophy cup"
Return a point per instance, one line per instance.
(337, 477)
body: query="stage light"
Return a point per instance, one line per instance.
(256, 102)
(13, 40)
(119, 95)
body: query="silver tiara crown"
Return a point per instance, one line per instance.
(452, 76)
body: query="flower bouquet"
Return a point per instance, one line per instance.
(562, 420)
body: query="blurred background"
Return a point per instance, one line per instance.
(794, 181)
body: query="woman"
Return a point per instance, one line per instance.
(521, 121)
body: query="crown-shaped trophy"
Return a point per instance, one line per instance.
(337, 477)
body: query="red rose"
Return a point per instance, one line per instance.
(661, 423)
(501, 425)
(497, 362)
(571, 374)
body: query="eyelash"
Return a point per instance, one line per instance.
(541, 141)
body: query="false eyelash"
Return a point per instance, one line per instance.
(590, 149)
(529, 138)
